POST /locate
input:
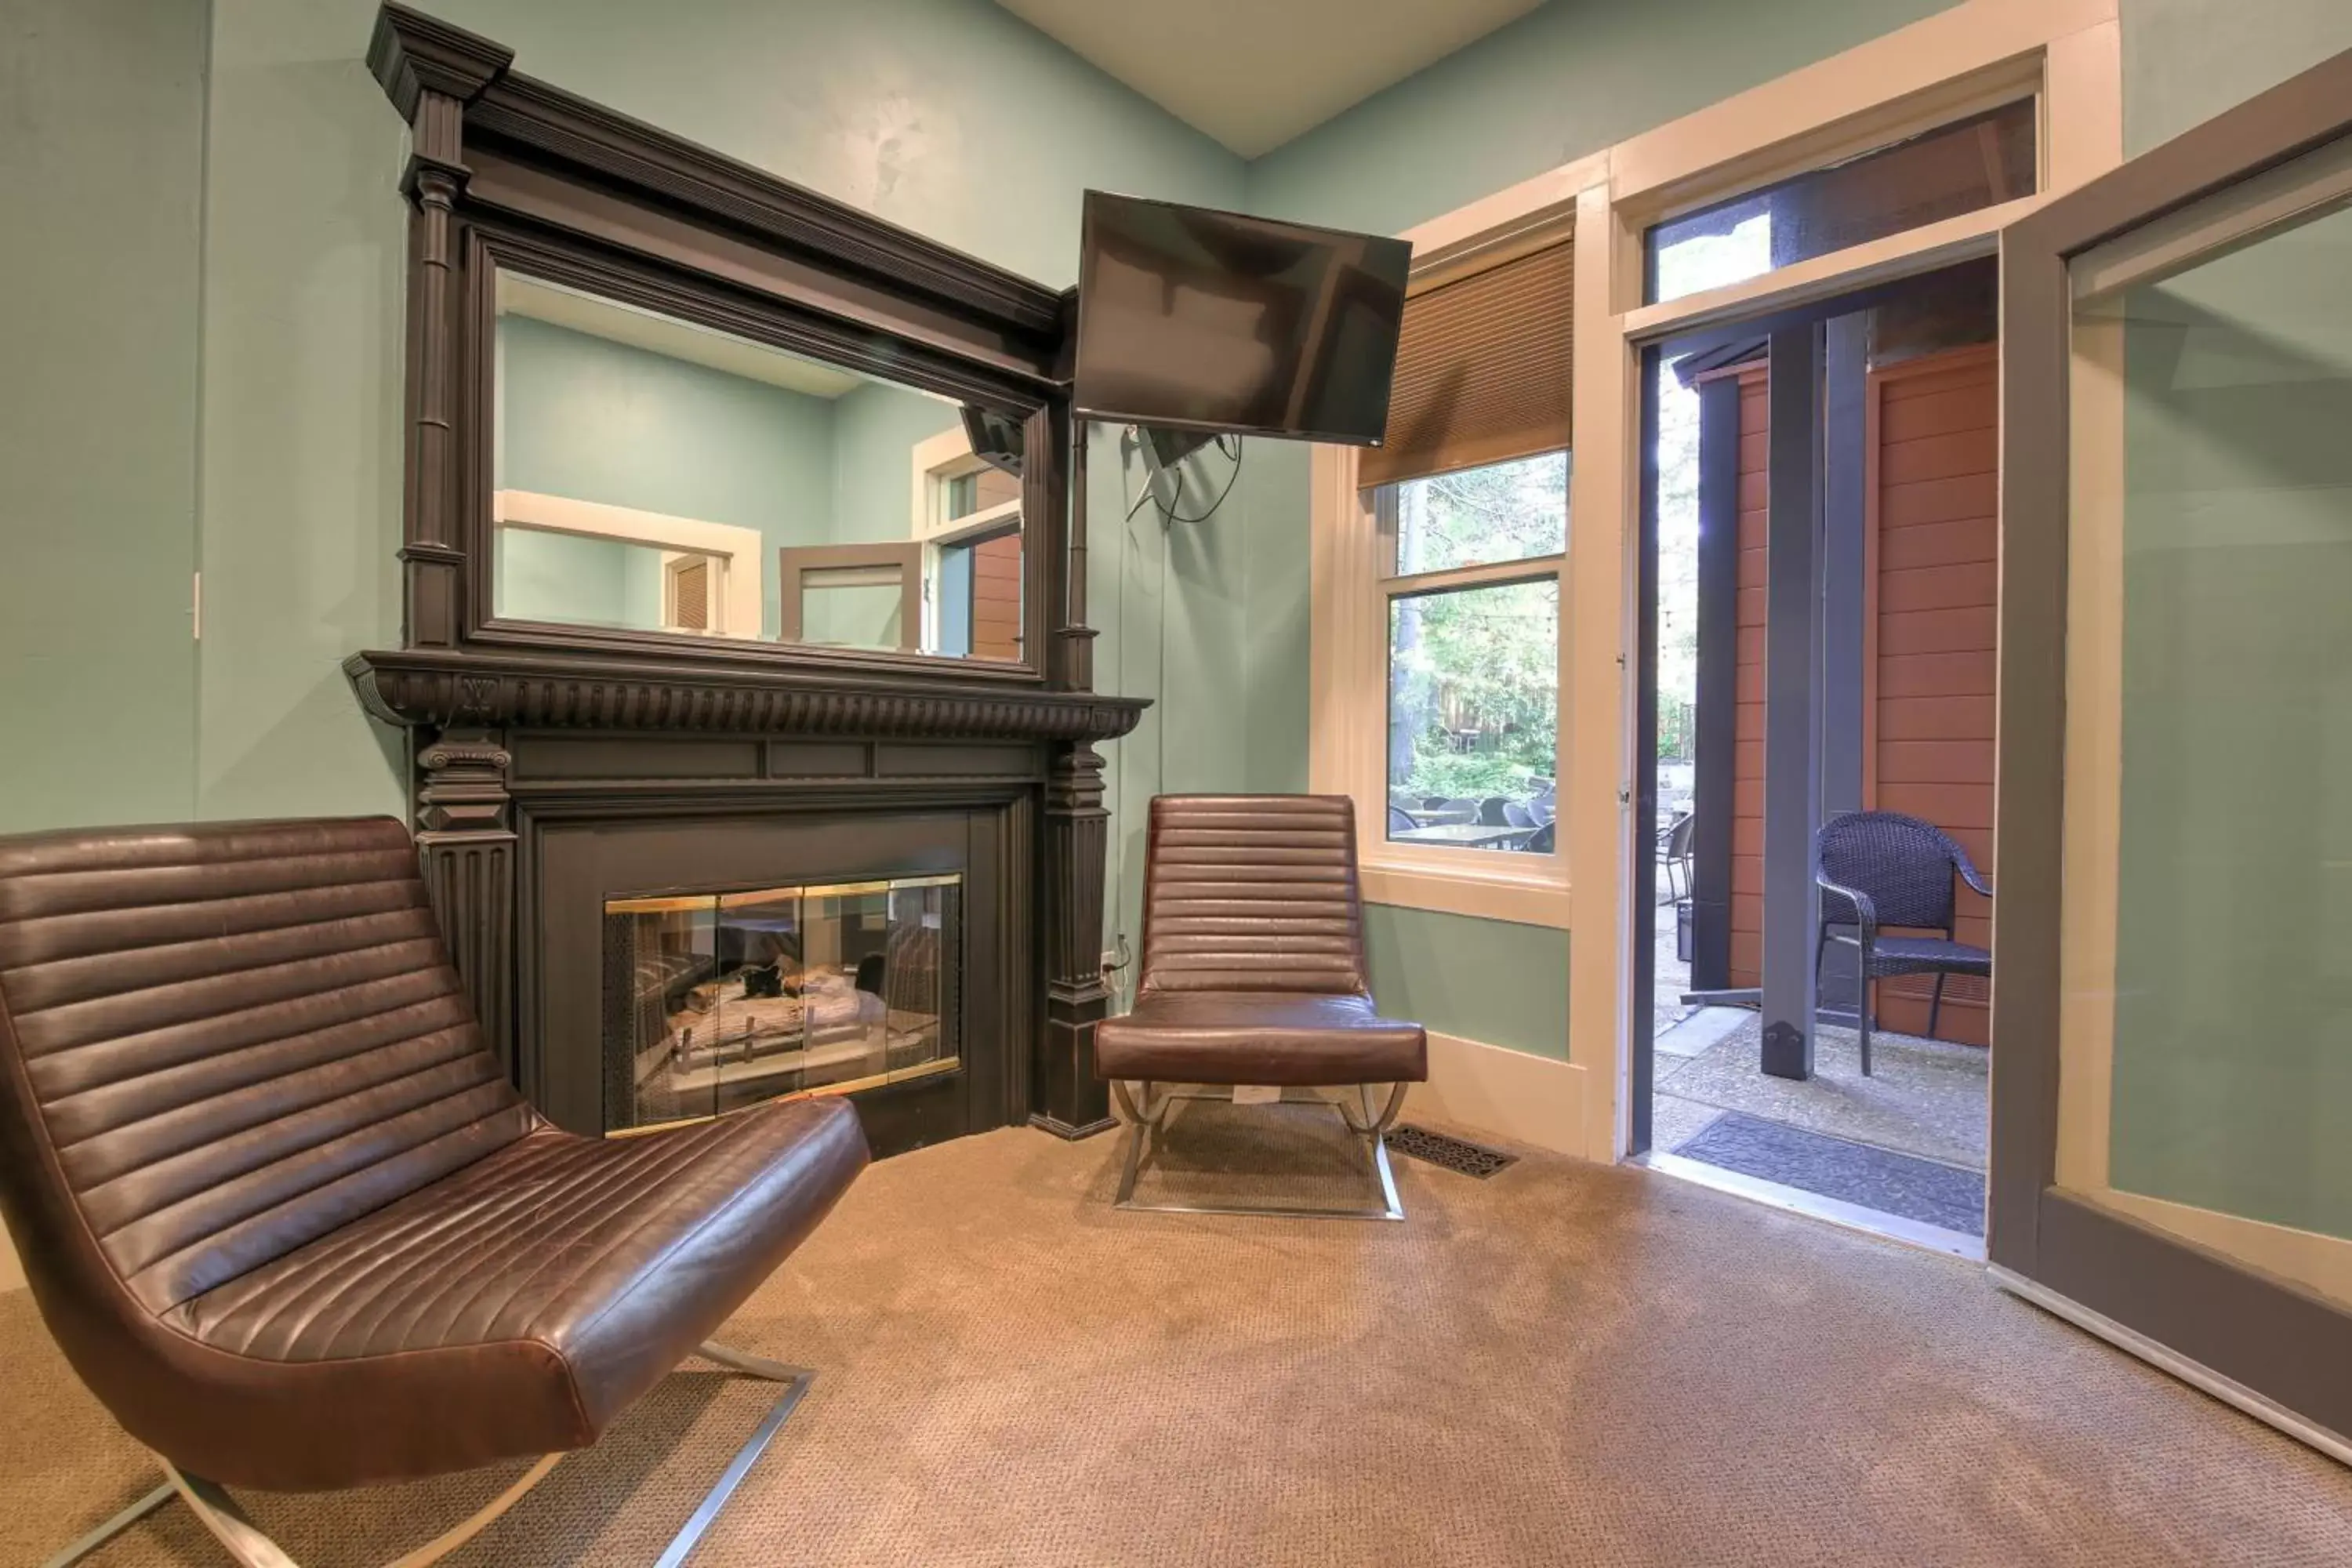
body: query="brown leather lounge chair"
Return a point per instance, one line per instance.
(1253, 974)
(284, 1214)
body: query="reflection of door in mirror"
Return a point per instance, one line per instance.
(851, 595)
(651, 471)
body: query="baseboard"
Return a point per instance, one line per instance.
(1508, 1094)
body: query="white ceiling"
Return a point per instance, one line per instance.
(1255, 73)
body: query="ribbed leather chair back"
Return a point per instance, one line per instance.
(218, 1044)
(1253, 892)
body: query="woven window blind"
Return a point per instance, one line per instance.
(691, 581)
(1481, 371)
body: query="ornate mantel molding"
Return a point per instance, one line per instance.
(443, 688)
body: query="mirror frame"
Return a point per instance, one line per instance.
(510, 174)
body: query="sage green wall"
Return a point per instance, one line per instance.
(599, 421)
(952, 117)
(1566, 80)
(1491, 981)
(2186, 60)
(305, 268)
(102, 169)
(875, 428)
(548, 577)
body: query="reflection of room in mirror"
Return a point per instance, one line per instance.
(656, 476)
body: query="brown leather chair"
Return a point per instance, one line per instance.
(283, 1213)
(1253, 974)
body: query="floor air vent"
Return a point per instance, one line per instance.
(1453, 1153)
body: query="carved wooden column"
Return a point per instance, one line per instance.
(1068, 1099)
(431, 71)
(465, 836)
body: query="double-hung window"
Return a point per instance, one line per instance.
(1442, 557)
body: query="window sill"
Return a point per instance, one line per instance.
(1537, 898)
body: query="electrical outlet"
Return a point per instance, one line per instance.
(1109, 960)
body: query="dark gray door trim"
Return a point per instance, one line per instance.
(2283, 1343)
(1792, 698)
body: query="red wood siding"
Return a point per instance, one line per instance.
(1929, 697)
(1748, 759)
(1928, 679)
(996, 597)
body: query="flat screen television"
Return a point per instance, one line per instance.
(1195, 320)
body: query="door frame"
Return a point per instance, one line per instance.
(2269, 1347)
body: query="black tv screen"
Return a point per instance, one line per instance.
(1195, 320)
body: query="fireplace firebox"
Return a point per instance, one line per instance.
(717, 1001)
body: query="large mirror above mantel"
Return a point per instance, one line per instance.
(743, 576)
(651, 474)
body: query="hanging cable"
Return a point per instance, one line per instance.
(1233, 476)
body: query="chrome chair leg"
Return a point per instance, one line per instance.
(218, 1512)
(113, 1527)
(1146, 1123)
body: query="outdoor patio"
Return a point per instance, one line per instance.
(1909, 1141)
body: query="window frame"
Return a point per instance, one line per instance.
(1355, 583)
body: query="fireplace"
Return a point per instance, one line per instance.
(716, 1001)
(876, 942)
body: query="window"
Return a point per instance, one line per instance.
(1961, 167)
(1442, 560)
(693, 582)
(1473, 591)
(968, 517)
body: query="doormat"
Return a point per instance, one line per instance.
(1453, 1153)
(1874, 1178)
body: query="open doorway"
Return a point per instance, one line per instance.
(1818, 618)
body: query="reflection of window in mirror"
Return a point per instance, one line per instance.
(643, 453)
(580, 563)
(967, 512)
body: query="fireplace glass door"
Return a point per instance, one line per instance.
(716, 1001)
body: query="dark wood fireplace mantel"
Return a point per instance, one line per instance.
(443, 688)
(527, 741)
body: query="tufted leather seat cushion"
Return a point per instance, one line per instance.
(283, 1212)
(1253, 953)
(1257, 1037)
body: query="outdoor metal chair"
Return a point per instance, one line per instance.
(1492, 812)
(1881, 868)
(1675, 854)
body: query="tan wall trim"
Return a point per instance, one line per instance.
(1503, 1093)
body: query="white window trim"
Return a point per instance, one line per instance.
(1913, 79)
(739, 552)
(937, 459)
(1347, 752)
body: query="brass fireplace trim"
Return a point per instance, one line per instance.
(846, 1085)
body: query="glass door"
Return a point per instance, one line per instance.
(2172, 1025)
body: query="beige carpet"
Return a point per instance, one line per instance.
(1561, 1365)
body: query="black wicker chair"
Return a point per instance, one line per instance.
(1675, 854)
(1882, 868)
